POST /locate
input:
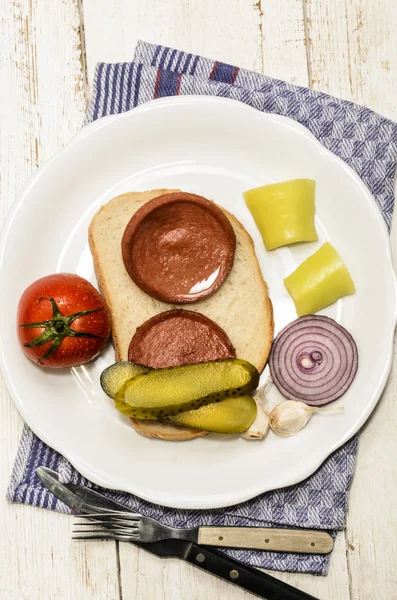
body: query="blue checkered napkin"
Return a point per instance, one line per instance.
(368, 143)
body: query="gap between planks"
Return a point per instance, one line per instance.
(307, 43)
(83, 51)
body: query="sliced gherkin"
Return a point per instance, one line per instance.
(232, 415)
(114, 377)
(161, 393)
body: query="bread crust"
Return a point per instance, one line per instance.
(268, 342)
(158, 429)
(166, 431)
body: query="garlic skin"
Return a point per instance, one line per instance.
(261, 399)
(289, 417)
(260, 427)
(286, 418)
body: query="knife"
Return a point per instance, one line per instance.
(84, 500)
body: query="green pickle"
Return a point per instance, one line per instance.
(122, 407)
(319, 281)
(114, 377)
(162, 393)
(232, 415)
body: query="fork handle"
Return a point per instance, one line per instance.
(247, 578)
(261, 538)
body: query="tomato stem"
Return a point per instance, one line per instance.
(57, 328)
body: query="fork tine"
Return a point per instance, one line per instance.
(108, 523)
(100, 537)
(110, 515)
(107, 534)
(107, 526)
(82, 527)
(106, 531)
(107, 518)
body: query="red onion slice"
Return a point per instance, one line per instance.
(313, 360)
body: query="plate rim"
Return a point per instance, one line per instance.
(215, 501)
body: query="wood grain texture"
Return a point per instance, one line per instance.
(351, 51)
(372, 521)
(277, 540)
(372, 32)
(283, 40)
(327, 43)
(228, 29)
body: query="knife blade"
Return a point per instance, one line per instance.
(82, 499)
(85, 500)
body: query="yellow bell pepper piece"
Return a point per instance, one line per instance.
(319, 281)
(284, 212)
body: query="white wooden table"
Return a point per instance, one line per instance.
(48, 52)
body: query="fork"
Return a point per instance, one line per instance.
(133, 527)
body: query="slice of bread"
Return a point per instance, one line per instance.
(241, 306)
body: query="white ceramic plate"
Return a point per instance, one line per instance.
(218, 148)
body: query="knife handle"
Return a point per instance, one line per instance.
(261, 538)
(247, 578)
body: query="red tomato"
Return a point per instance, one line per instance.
(62, 321)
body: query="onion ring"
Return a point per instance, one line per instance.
(313, 360)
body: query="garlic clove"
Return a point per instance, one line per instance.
(260, 427)
(289, 417)
(261, 399)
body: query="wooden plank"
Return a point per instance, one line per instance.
(41, 563)
(226, 29)
(372, 31)
(352, 54)
(328, 47)
(283, 40)
(42, 106)
(372, 520)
